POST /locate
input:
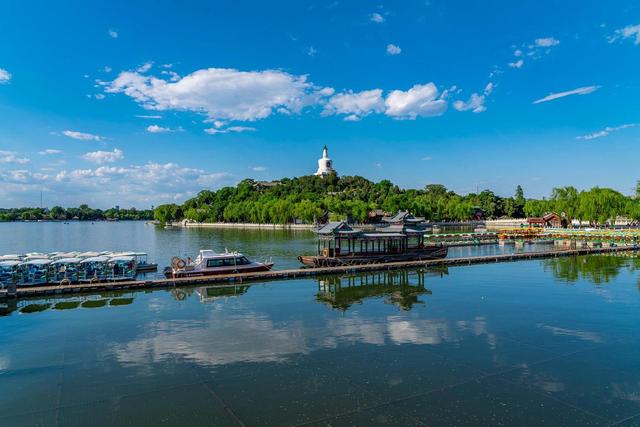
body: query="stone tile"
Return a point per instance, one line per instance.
(609, 393)
(494, 402)
(189, 405)
(290, 395)
(29, 390)
(33, 419)
(381, 416)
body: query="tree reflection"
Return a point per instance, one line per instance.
(400, 288)
(597, 269)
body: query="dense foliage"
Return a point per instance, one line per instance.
(82, 213)
(309, 198)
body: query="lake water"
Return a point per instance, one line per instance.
(282, 246)
(543, 342)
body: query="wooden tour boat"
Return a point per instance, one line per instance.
(400, 238)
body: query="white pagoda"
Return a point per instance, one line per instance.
(325, 165)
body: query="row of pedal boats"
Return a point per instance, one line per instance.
(36, 268)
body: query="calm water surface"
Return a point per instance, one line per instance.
(282, 246)
(544, 342)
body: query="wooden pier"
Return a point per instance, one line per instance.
(37, 291)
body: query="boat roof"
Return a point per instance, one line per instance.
(37, 261)
(61, 255)
(208, 253)
(35, 257)
(10, 263)
(89, 254)
(9, 257)
(72, 260)
(382, 235)
(99, 258)
(130, 254)
(122, 258)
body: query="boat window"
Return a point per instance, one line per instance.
(243, 261)
(215, 263)
(229, 262)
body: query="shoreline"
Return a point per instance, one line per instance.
(241, 225)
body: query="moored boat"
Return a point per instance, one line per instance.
(210, 263)
(400, 238)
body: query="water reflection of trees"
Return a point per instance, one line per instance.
(29, 306)
(400, 288)
(597, 269)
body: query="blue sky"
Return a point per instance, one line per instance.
(141, 103)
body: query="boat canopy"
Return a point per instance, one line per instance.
(208, 254)
(9, 258)
(73, 260)
(122, 258)
(63, 255)
(9, 263)
(100, 258)
(37, 261)
(89, 254)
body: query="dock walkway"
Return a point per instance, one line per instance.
(37, 291)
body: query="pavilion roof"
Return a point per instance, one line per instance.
(403, 217)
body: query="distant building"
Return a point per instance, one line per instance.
(261, 185)
(375, 216)
(551, 219)
(325, 165)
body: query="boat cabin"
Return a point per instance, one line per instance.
(210, 259)
(398, 234)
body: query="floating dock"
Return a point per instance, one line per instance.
(37, 291)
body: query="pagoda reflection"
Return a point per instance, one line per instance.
(400, 288)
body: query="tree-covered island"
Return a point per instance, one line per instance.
(310, 198)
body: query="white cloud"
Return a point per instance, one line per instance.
(630, 31)
(606, 131)
(82, 135)
(427, 158)
(49, 151)
(173, 76)
(106, 186)
(539, 47)
(579, 91)
(107, 69)
(5, 76)
(518, 64)
(476, 101)
(377, 18)
(355, 105)
(474, 104)
(101, 157)
(228, 95)
(221, 93)
(311, 51)
(112, 33)
(99, 96)
(158, 129)
(144, 67)
(230, 129)
(12, 157)
(143, 116)
(393, 49)
(258, 168)
(547, 42)
(419, 101)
